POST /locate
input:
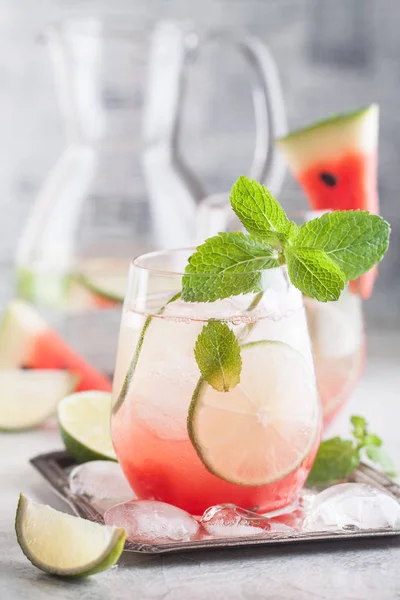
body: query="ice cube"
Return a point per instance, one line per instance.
(102, 482)
(352, 506)
(228, 520)
(307, 499)
(148, 521)
(294, 514)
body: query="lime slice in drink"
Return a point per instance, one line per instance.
(84, 421)
(107, 278)
(28, 397)
(262, 429)
(65, 545)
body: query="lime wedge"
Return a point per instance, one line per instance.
(29, 397)
(84, 421)
(65, 545)
(262, 429)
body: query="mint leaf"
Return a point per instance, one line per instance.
(217, 354)
(377, 455)
(354, 240)
(260, 212)
(226, 265)
(314, 273)
(359, 427)
(336, 459)
(372, 440)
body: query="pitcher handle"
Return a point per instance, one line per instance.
(268, 165)
(174, 46)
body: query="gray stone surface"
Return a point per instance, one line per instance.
(332, 56)
(366, 570)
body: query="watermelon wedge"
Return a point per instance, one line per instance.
(335, 162)
(98, 284)
(26, 340)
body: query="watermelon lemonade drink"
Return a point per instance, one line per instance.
(258, 439)
(215, 402)
(215, 398)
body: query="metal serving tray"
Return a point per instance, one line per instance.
(55, 468)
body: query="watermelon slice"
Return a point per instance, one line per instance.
(87, 289)
(105, 278)
(26, 340)
(335, 162)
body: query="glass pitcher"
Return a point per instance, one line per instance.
(121, 186)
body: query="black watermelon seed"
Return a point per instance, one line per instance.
(329, 179)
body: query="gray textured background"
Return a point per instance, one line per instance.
(332, 56)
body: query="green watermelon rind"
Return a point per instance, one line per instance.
(334, 120)
(87, 283)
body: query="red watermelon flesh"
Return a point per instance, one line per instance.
(348, 183)
(335, 162)
(27, 341)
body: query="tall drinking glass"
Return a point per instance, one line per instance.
(177, 438)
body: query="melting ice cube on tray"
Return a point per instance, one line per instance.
(102, 482)
(149, 521)
(352, 506)
(228, 520)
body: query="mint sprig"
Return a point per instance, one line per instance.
(217, 354)
(372, 445)
(338, 458)
(321, 255)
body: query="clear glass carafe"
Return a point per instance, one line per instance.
(121, 187)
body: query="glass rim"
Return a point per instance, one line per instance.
(135, 263)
